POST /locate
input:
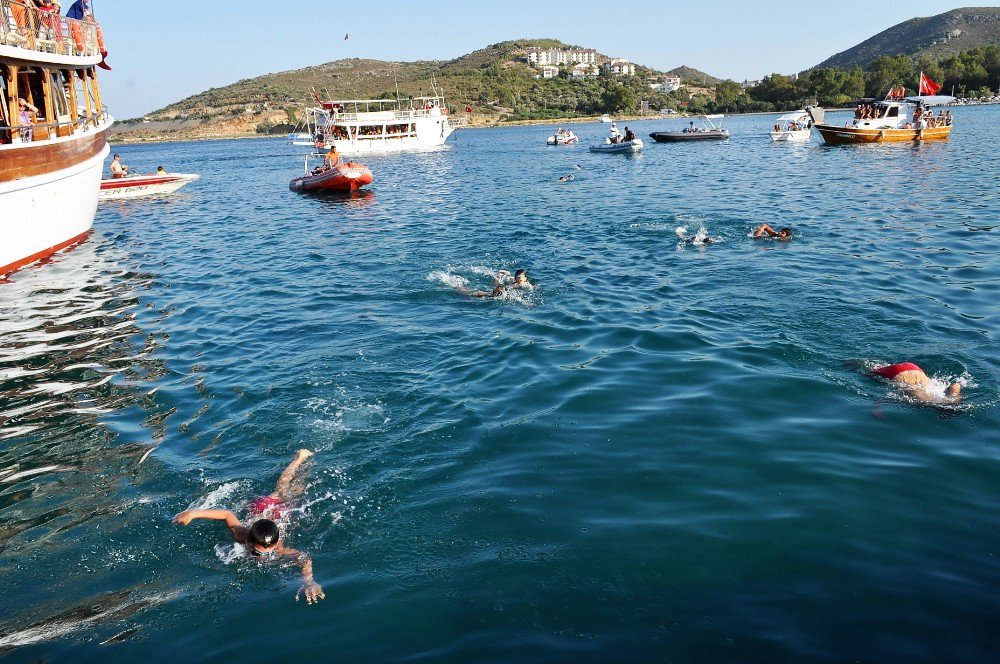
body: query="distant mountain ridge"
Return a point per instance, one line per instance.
(936, 36)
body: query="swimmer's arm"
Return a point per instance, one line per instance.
(187, 516)
(310, 588)
(764, 228)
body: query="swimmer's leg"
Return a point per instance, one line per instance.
(285, 490)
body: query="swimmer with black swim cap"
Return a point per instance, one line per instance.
(916, 382)
(262, 538)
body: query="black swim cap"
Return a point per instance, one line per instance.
(264, 532)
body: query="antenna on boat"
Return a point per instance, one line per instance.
(396, 81)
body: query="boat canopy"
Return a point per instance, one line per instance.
(793, 117)
(931, 100)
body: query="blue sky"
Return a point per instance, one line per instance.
(165, 50)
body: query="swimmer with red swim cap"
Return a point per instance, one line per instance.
(262, 538)
(917, 382)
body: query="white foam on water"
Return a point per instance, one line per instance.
(448, 279)
(218, 497)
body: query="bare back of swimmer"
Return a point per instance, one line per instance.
(917, 383)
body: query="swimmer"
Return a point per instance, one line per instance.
(917, 383)
(764, 230)
(567, 178)
(701, 237)
(520, 281)
(262, 538)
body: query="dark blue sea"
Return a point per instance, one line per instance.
(662, 453)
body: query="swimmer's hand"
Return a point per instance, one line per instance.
(312, 590)
(184, 518)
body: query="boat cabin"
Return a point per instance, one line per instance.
(39, 52)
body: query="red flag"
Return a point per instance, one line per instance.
(927, 86)
(468, 109)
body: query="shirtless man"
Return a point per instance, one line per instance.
(766, 231)
(520, 281)
(262, 539)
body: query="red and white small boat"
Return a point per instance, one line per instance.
(134, 186)
(344, 176)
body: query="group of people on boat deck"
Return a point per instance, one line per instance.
(792, 126)
(616, 137)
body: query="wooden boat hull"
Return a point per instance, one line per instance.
(344, 177)
(626, 146)
(143, 185)
(846, 135)
(678, 136)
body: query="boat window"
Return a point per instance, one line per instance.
(893, 112)
(30, 87)
(60, 94)
(4, 106)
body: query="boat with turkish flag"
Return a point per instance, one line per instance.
(895, 119)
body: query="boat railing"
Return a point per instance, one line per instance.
(40, 131)
(23, 25)
(397, 115)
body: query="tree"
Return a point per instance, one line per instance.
(730, 97)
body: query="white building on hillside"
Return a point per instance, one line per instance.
(669, 84)
(619, 67)
(583, 70)
(548, 71)
(540, 57)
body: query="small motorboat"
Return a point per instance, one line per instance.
(563, 137)
(606, 119)
(343, 176)
(693, 132)
(134, 186)
(792, 127)
(635, 145)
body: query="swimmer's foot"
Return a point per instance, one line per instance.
(954, 390)
(303, 454)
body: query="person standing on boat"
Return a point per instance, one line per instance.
(77, 10)
(615, 136)
(118, 169)
(24, 113)
(332, 157)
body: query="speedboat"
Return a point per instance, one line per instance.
(344, 176)
(563, 138)
(635, 145)
(889, 121)
(606, 119)
(792, 127)
(707, 130)
(134, 186)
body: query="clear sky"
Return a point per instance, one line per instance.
(162, 51)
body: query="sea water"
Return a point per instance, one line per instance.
(664, 452)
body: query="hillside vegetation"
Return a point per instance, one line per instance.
(935, 37)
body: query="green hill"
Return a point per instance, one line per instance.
(935, 36)
(496, 81)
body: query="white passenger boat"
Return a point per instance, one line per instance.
(51, 152)
(792, 127)
(366, 126)
(635, 145)
(135, 186)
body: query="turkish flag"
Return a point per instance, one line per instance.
(927, 86)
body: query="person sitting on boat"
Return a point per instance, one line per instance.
(332, 157)
(766, 231)
(629, 135)
(24, 113)
(160, 170)
(262, 539)
(118, 169)
(947, 117)
(691, 128)
(917, 383)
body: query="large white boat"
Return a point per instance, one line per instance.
(53, 132)
(366, 126)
